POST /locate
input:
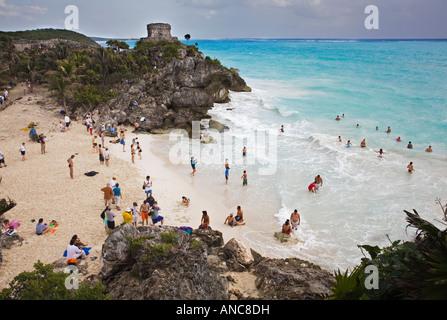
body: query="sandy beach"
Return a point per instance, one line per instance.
(42, 187)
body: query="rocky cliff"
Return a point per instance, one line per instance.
(153, 263)
(180, 88)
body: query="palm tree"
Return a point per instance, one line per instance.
(187, 37)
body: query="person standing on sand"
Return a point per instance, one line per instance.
(41, 140)
(137, 127)
(295, 219)
(117, 196)
(67, 122)
(95, 144)
(101, 155)
(70, 165)
(123, 141)
(23, 151)
(193, 166)
(144, 210)
(110, 218)
(147, 185)
(410, 167)
(244, 177)
(108, 195)
(135, 214)
(205, 221)
(106, 156)
(155, 216)
(244, 151)
(227, 174)
(318, 182)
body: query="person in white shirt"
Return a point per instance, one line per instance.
(67, 122)
(147, 186)
(73, 252)
(22, 151)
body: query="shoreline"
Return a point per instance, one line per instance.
(42, 188)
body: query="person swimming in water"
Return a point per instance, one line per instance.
(380, 152)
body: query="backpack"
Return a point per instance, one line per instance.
(103, 214)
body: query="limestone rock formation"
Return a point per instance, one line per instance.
(176, 93)
(166, 263)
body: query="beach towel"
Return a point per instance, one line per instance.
(188, 230)
(86, 250)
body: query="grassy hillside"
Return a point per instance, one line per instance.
(48, 34)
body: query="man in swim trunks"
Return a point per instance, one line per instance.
(230, 220)
(295, 219)
(193, 165)
(318, 183)
(244, 176)
(239, 215)
(144, 209)
(155, 216)
(244, 151)
(227, 174)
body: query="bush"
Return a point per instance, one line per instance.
(45, 284)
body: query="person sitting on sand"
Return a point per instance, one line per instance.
(429, 149)
(286, 228)
(77, 242)
(239, 215)
(185, 201)
(231, 221)
(42, 228)
(205, 221)
(74, 252)
(5, 225)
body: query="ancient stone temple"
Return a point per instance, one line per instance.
(158, 32)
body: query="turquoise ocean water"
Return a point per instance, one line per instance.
(304, 85)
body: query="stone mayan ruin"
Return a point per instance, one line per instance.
(159, 32)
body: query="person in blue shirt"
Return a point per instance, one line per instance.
(227, 174)
(117, 196)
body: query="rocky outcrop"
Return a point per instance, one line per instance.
(174, 94)
(166, 263)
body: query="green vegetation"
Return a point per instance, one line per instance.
(45, 284)
(195, 244)
(135, 244)
(412, 270)
(157, 251)
(48, 34)
(169, 237)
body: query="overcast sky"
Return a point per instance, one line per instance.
(214, 19)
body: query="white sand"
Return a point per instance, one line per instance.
(42, 187)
